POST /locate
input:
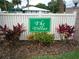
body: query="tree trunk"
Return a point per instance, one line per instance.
(61, 6)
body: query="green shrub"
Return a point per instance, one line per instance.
(44, 37)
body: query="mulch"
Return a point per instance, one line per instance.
(26, 49)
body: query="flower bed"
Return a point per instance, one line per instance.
(41, 43)
(27, 49)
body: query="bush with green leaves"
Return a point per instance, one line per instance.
(44, 37)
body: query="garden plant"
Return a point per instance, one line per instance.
(12, 35)
(42, 37)
(66, 31)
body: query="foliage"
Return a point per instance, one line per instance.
(30, 37)
(66, 30)
(55, 6)
(12, 34)
(44, 37)
(40, 5)
(5, 5)
(16, 2)
(9, 6)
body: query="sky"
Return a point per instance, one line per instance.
(69, 3)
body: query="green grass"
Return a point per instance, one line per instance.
(68, 55)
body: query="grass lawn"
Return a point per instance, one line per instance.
(68, 55)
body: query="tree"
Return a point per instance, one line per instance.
(5, 5)
(56, 6)
(9, 6)
(3, 2)
(40, 5)
(61, 6)
(16, 2)
(53, 6)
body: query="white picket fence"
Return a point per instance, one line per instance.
(13, 18)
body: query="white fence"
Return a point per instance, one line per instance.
(13, 18)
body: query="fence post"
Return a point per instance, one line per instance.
(76, 35)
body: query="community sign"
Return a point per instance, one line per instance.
(39, 24)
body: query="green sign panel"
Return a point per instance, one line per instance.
(39, 24)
